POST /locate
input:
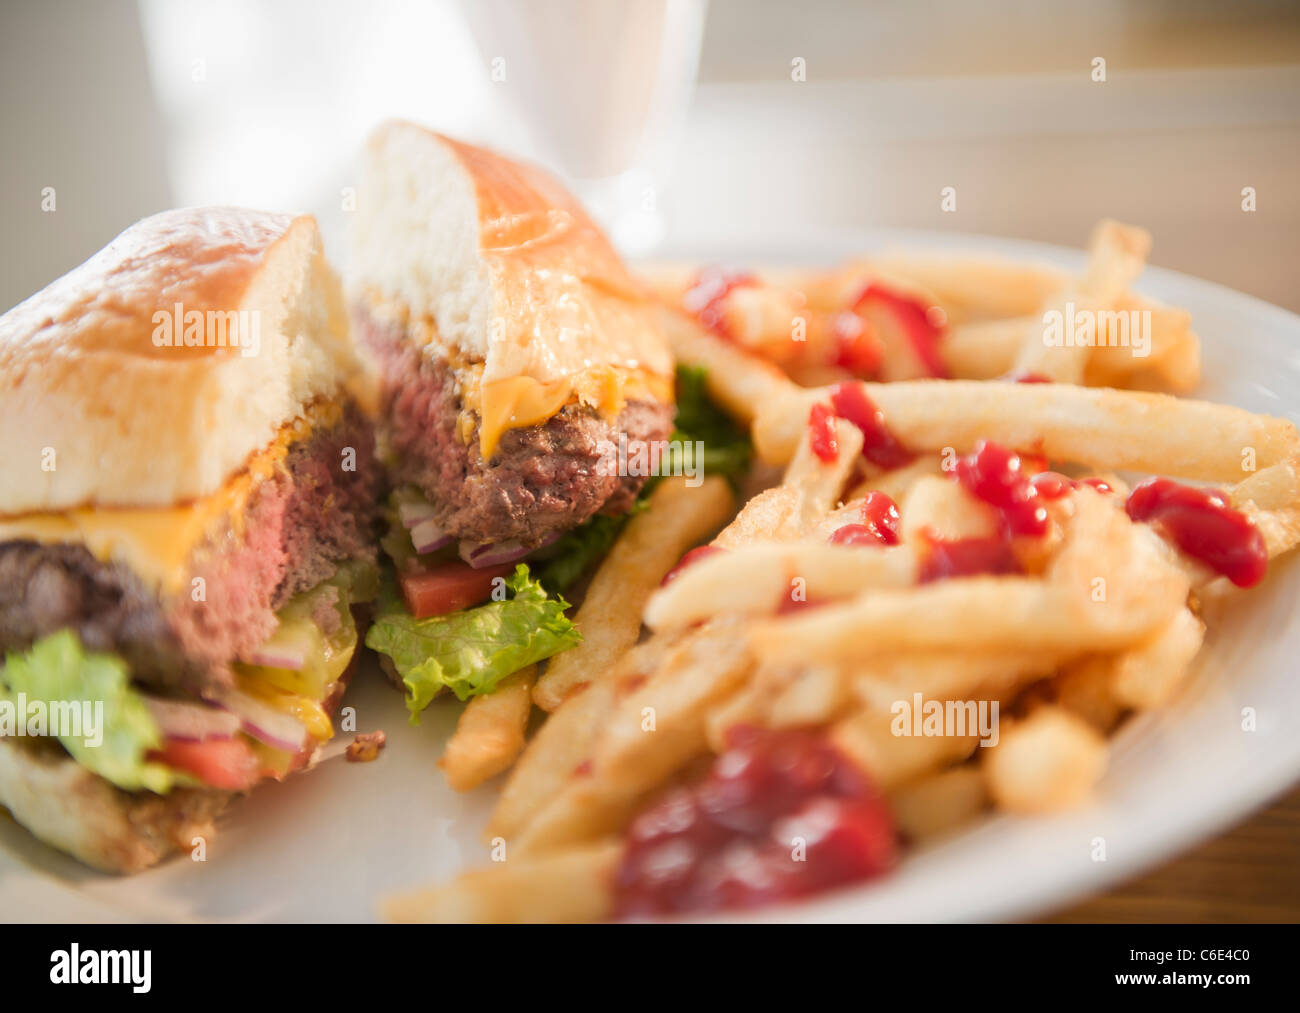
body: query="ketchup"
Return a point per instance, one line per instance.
(1026, 378)
(967, 557)
(879, 445)
(1054, 485)
(923, 325)
(821, 433)
(1203, 524)
(998, 477)
(693, 556)
(780, 815)
(993, 474)
(857, 349)
(879, 523)
(709, 291)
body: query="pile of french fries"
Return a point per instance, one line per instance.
(1103, 622)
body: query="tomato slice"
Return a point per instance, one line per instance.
(449, 587)
(222, 763)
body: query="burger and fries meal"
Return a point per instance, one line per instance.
(748, 581)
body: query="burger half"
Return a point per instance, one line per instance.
(186, 525)
(522, 368)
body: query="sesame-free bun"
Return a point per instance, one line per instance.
(63, 804)
(499, 258)
(98, 409)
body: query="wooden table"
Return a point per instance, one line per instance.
(1250, 874)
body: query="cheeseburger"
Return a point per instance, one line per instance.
(186, 523)
(518, 362)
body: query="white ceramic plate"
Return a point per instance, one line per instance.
(326, 845)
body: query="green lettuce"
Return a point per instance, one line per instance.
(575, 552)
(727, 449)
(471, 651)
(57, 668)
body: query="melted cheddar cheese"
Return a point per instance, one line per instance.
(156, 543)
(522, 401)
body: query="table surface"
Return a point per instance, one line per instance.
(1250, 874)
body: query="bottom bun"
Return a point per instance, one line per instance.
(80, 813)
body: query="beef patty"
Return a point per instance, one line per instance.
(541, 480)
(298, 526)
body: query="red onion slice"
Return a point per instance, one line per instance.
(427, 536)
(483, 554)
(192, 722)
(413, 513)
(264, 723)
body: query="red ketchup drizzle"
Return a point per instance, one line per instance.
(709, 291)
(856, 348)
(1203, 524)
(996, 476)
(821, 433)
(967, 557)
(1026, 378)
(728, 841)
(1054, 485)
(693, 556)
(923, 325)
(879, 445)
(993, 474)
(879, 523)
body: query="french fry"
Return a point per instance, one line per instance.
(1124, 577)
(1271, 499)
(808, 696)
(1150, 674)
(737, 380)
(653, 732)
(758, 579)
(1049, 761)
(609, 618)
(939, 804)
(880, 682)
(575, 885)
(564, 741)
(974, 614)
(892, 760)
(988, 349)
(945, 510)
(795, 508)
(1116, 254)
(1086, 688)
(1100, 428)
(896, 482)
(820, 483)
(747, 706)
(976, 287)
(490, 732)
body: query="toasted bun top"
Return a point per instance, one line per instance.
(148, 375)
(500, 259)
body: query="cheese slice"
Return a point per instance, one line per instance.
(156, 543)
(522, 401)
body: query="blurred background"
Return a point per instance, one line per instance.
(682, 123)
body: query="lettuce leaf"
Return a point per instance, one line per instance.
(575, 552)
(471, 651)
(57, 668)
(727, 450)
